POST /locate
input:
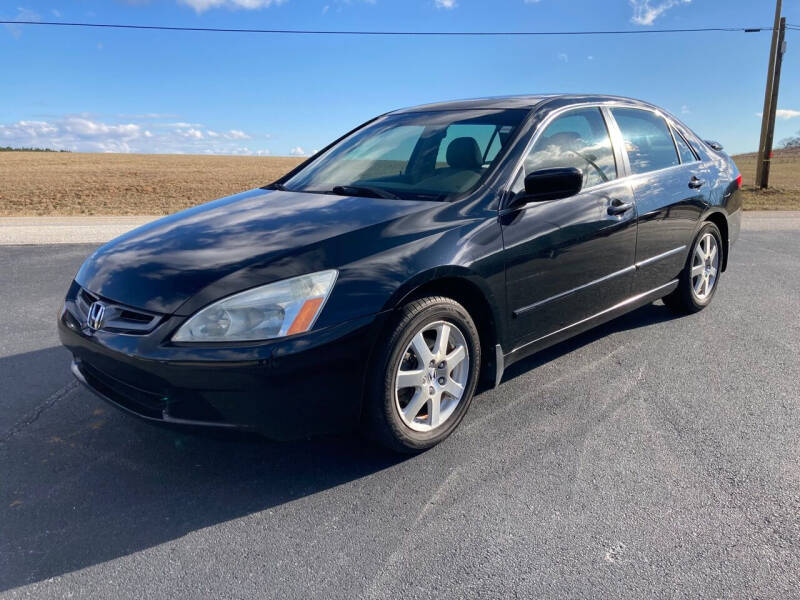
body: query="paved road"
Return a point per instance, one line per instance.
(654, 456)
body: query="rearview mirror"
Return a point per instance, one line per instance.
(550, 184)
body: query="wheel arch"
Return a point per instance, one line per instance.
(720, 219)
(469, 290)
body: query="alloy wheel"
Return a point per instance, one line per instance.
(705, 266)
(432, 376)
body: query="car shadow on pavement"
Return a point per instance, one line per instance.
(81, 483)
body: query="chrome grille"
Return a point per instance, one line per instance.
(118, 318)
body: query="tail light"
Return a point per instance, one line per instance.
(739, 181)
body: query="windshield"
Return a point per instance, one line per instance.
(414, 156)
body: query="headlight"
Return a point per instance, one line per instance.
(270, 311)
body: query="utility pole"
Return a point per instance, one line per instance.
(763, 157)
(776, 82)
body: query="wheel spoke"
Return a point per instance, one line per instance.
(707, 243)
(713, 272)
(442, 338)
(414, 405)
(698, 285)
(697, 270)
(410, 379)
(454, 388)
(421, 349)
(712, 254)
(455, 357)
(699, 253)
(434, 404)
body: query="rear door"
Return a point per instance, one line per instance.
(671, 188)
(571, 258)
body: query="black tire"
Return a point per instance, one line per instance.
(683, 299)
(382, 422)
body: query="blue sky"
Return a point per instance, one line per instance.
(150, 91)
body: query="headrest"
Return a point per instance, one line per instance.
(464, 153)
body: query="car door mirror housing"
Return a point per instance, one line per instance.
(552, 184)
(549, 184)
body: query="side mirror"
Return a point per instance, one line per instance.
(550, 184)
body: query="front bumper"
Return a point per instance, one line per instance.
(290, 388)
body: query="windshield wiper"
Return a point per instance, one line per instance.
(275, 186)
(427, 196)
(364, 190)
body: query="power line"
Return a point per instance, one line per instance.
(391, 33)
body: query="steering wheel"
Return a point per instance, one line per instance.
(591, 162)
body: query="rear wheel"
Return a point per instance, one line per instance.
(698, 280)
(424, 377)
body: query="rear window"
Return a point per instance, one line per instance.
(648, 140)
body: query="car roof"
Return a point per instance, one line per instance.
(521, 101)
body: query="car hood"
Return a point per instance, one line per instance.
(159, 266)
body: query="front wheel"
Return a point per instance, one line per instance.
(698, 280)
(424, 376)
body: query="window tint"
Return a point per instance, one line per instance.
(647, 139)
(483, 133)
(385, 153)
(414, 155)
(684, 150)
(577, 139)
(495, 146)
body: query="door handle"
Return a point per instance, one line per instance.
(696, 182)
(618, 207)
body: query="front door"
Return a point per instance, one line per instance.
(569, 259)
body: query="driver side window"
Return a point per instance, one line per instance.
(577, 139)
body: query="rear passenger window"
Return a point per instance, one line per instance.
(576, 139)
(684, 150)
(647, 139)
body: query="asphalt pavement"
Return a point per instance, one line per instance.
(654, 456)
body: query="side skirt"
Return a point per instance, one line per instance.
(569, 331)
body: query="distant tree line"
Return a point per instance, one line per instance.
(791, 142)
(10, 149)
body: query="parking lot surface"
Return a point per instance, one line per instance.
(653, 456)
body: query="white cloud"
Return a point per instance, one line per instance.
(204, 5)
(297, 151)
(563, 57)
(183, 125)
(590, 57)
(685, 110)
(194, 134)
(147, 116)
(83, 133)
(786, 113)
(645, 12)
(446, 4)
(23, 14)
(783, 113)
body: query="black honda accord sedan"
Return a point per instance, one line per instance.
(373, 286)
